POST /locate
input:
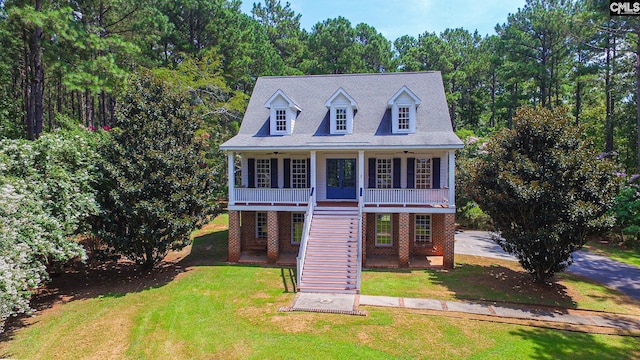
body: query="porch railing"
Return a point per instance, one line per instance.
(273, 196)
(359, 266)
(406, 196)
(306, 229)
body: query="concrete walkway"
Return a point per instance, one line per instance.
(350, 304)
(622, 277)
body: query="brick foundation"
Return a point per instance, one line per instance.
(403, 239)
(273, 232)
(449, 240)
(234, 236)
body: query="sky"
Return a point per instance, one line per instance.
(394, 18)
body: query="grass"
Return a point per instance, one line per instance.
(221, 311)
(614, 251)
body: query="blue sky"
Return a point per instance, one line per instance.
(395, 18)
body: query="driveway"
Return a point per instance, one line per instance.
(617, 275)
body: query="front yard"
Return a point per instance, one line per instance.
(202, 308)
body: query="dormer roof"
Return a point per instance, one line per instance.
(404, 90)
(279, 93)
(338, 93)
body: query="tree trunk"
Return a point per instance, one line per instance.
(608, 126)
(88, 105)
(38, 79)
(638, 93)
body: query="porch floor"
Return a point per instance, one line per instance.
(416, 262)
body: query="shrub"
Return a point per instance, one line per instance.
(156, 185)
(544, 188)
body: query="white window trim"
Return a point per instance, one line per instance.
(416, 174)
(266, 225)
(349, 105)
(377, 172)
(415, 231)
(293, 232)
(257, 176)
(377, 244)
(286, 104)
(306, 172)
(411, 101)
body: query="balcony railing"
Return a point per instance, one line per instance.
(406, 196)
(272, 196)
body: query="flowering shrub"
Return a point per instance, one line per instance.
(45, 196)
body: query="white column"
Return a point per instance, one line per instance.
(313, 177)
(360, 173)
(231, 177)
(452, 178)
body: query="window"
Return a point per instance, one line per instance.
(383, 173)
(423, 173)
(263, 173)
(281, 120)
(423, 230)
(297, 226)
(299, 173)
(342, 108)
(341, 119)
(403, 118)
(383, 230)
(403, 105)
(261, 225)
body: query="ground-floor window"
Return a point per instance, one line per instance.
(423, 230)
(383, 230)
(261, 225)
(297, 225)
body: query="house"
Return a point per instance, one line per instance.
(336, 172)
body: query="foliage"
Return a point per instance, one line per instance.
(468, 213)
(544, 188)
(156, 185)
(46, 195)
(626, 210)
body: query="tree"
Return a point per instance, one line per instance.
(545, 189)
(156, 187)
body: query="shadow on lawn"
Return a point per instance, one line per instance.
(553, 344)
(494, 282)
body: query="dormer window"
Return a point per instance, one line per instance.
(403, 107)
(283, 113)
(341, 119)
(342, 109)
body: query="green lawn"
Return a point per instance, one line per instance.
(620, 253)
(219, 311)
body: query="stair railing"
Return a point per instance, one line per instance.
(359, 266)
(306, 229)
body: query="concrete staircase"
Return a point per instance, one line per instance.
(331, 262)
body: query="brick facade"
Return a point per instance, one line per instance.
(449, 241)
(403, 239)
(273, 237)
(363, 236)
(371, 247)
(286, 233)
(234, 236)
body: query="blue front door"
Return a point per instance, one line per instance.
(341, 178)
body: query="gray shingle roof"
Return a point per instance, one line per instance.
(371, 122)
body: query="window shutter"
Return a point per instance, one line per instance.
(372, 173)
(435, 171)
(274, 173)
(396, 172)
(411, 173)
(251, 167)
(287, 173)
(308, 172)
